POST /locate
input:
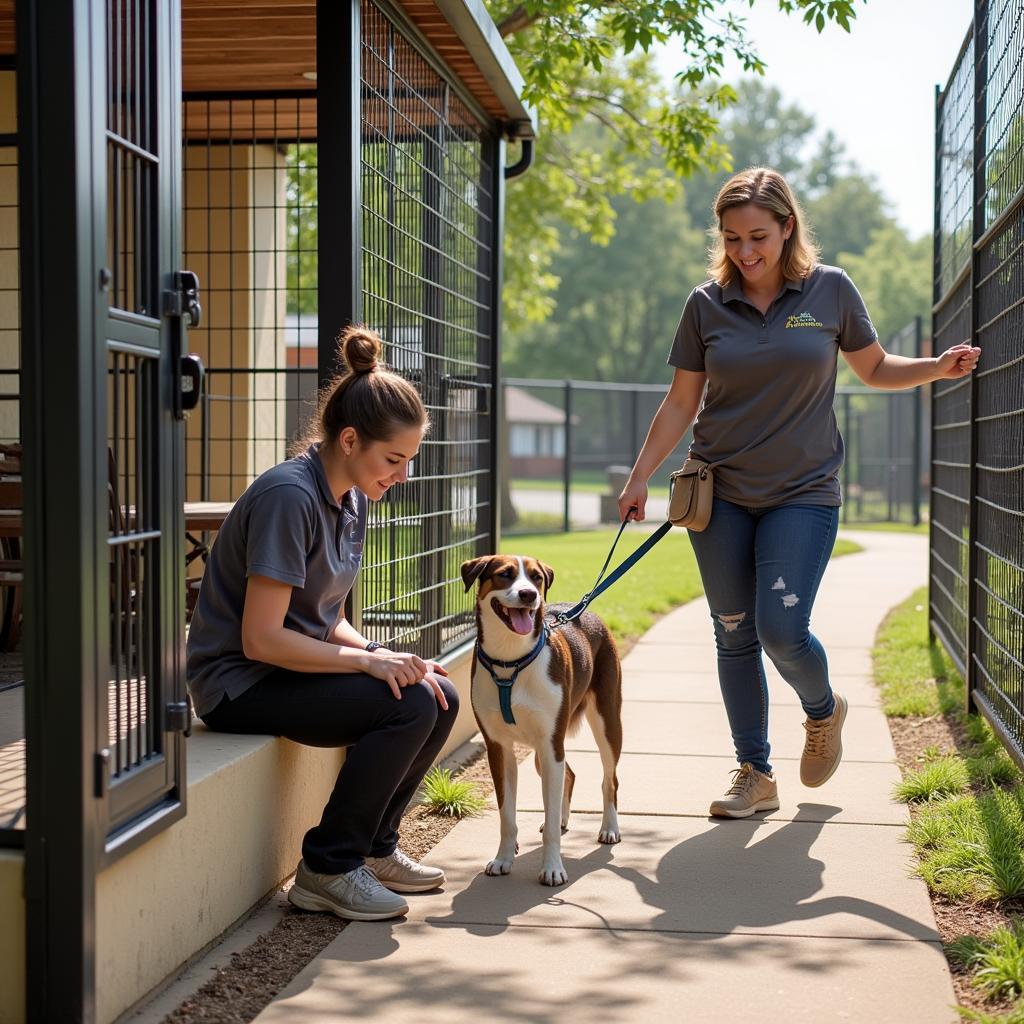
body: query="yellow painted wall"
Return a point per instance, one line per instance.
(12, 937)
(235, 241)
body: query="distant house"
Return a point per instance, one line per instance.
(536, 434)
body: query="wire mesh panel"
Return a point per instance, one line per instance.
(1002, 50)
(997, 640)
(134, 552)
(950, 487)
(977, 537)
(954, 181)
(132, 161)
(428, 234)
(250, 231)
(999, 422)
(12, 723)
(951, 400)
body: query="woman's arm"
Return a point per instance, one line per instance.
(675, 414)
(266, 638)
(879, 369)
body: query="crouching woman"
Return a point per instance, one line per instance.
(270, 650)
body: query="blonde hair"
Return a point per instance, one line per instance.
(769, 190)
(368, 397)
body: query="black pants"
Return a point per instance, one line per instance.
(392, 744)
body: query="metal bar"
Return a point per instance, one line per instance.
(339, 234)
(918, 406)
(977, 229)
(1009, 741)
(567, 461)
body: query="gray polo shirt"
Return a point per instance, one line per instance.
(771, 381)
(289, 527)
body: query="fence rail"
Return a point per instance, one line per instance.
(976, 564)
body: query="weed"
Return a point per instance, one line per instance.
(454, 797)
(939, 777)
(996, 961)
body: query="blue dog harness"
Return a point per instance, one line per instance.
(505, 685)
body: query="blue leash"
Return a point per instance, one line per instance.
(599, 588)
(563, 618)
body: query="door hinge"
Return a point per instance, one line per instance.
(102, 771)
(178, 717)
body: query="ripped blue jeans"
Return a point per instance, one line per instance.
(761, 568)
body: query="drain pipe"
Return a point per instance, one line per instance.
(522, 165)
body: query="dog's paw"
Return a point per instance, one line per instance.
(609, 836)
(553, 875)
(499, 867)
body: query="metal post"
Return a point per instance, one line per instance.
(339, 211)
(915, 461)
(634, 417)
(977, 230)
(890, 483)
(61, 158)
(936, 251)
(846, 461)
(567, 460)
(488, 345)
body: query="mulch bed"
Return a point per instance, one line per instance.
(911, 737)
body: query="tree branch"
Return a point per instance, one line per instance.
(518, 20)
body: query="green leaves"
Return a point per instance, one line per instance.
(589, 65)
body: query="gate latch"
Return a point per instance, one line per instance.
(192, 374)
(183, 300)
(178, 717)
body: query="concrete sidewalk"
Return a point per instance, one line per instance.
(805, 914)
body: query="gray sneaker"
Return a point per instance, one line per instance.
(402, 874)
(356, 895)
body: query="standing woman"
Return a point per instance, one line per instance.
(270, 650)
(764, 335)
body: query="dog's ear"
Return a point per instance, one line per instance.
(472, 569)
(549, 576)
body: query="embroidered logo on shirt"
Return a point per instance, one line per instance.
(803, 320)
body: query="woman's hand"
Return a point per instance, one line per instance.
(395, 669)
(633, 501)
(431, 680)
(956, 362)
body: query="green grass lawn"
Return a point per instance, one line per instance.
(665, 578)
(968, 826)
(582, 483)
(921, 528)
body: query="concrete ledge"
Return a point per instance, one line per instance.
(250, 800)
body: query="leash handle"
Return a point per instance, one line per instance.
(599, 588)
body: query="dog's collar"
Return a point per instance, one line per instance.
(505, 685)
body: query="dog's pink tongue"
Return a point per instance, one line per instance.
(522, 620)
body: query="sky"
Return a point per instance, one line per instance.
(874, 87)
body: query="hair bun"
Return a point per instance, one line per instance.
(360, 348)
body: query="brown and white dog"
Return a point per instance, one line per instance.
(576, 673)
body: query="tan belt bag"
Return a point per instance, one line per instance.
(692, 489)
